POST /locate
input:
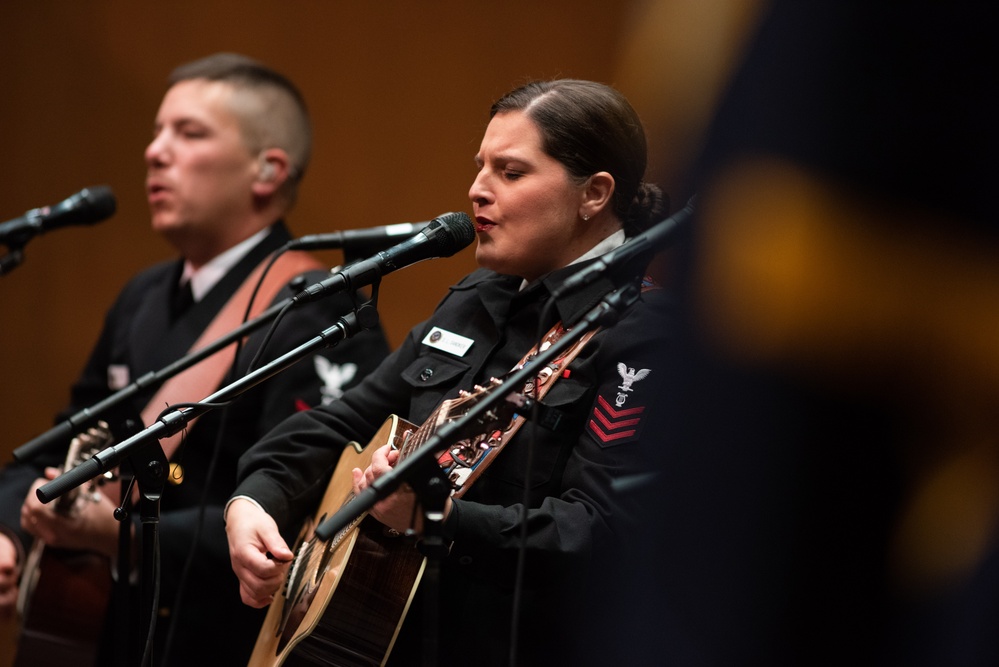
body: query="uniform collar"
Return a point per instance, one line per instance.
(498, 292)
(205, 278)
(613, 241)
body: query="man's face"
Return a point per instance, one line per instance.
(199, 171)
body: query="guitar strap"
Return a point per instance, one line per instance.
(204, 377)
(465, 461)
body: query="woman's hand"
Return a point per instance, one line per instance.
(400, 510)
(259, 555)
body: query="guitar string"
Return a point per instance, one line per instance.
(414, 440)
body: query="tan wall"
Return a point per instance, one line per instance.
(399, 93)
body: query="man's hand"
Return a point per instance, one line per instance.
(91, 527)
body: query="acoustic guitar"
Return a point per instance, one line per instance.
(344, 600)
(64, 594)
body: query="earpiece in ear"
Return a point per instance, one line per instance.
(266, 171)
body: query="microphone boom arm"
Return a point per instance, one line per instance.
(107, 459)
(65, 430)
(444, 236)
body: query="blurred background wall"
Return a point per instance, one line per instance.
(399, 94)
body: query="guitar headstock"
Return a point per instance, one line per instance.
(82, 448)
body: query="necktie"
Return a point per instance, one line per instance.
(182, 299)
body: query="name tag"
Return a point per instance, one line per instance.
(445, 341)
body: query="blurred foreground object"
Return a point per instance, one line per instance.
(831, 494)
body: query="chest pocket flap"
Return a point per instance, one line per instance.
(431, 377)
(433, 371)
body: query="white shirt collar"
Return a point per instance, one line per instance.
(613, 241)
(205, 278)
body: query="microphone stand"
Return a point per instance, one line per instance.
(450, 232)
(149, 465)
(166, 425)
(421, 471)
(77, 422)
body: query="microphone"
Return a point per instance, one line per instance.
(442, 237)
(372, 238)
(86, 207)
(630, 258)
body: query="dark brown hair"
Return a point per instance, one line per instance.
(591, 127)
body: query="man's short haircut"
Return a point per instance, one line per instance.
(271, 109)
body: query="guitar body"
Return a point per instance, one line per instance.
(64, 594)
(62, 622)
(372, 572)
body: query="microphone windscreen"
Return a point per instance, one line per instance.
(101, 200)
(86, 207)
(453, 232)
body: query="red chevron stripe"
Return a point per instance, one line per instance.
(606, 437)
(619, 413)
(614, 425)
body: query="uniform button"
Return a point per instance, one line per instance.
(426, 374)
(176, 476)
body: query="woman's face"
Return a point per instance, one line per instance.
(526, 206)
